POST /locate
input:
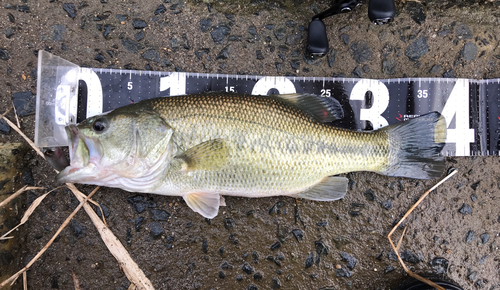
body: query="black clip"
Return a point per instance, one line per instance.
(379, 12)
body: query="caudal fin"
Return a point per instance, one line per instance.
(415, 146)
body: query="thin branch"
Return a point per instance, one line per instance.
(14, 277)
(17, 193)
(130, 268)
(396, 249)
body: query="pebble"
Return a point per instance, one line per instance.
(107, 30)
(416, 11)
(251, 286)
(77, 228)
(468, 53)
(361, 51)
(104, 209)
(205, 24)
(417, 48)
(131, 45)
(220, 33)
(100, 58)
(387, 204)
(389, 66)
(470, 237)
(259, 54)
(27, 176)
(138, 202)
(295, 64)
(332, 55)
(70, 9)
(161, 9)
(439, 264)
(151, 54)
(222, 275)
(159, 215)
(343, 272)
(351, 261)
(4, 129)
(155, 229)
(57, 32)
(276, 284)
(224, 53)
(475, 185)
(472, 276)
(139, 23)
(275, 246)
(298, 234)
(204, 246)
(449, 74)
(138, 223)
(485, 238)
(463, 31)
(280, 33)
(247, 269)
(465, 209)
(226, 266)
(9, 32)
(257, 276)
(409, 257)
(139, 35)
(309, 261)
(345, 38)
(24, 102)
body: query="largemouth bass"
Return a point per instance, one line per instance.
(202, 147)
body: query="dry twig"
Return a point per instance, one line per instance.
(14, 277)
(126, 263)
(396, 249)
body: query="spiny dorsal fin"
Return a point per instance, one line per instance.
(323, 109)
(330, 188)
(208, 155)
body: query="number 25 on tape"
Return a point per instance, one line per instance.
(456, 107)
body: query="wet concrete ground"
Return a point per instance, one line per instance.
(269, 243)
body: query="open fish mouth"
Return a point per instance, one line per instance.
(84, 153)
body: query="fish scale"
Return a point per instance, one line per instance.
(292, 140)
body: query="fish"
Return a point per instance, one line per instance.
(206, 146)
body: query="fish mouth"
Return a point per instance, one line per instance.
(84, 154)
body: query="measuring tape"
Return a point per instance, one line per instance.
(471, 107)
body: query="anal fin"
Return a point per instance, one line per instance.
(328, 189)
(206, 204)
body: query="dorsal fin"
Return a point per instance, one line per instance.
(323, 109)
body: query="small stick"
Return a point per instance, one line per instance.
(13, 278)
(25, 281)
(396, 249)
(75, 281)
(15, 114)
(28, 213)
(17, 193)
(24, 136)
(127, 264)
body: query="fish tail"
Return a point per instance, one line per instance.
(415, 147)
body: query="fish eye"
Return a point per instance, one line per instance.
(99, 125)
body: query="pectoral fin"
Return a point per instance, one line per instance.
(208, 155)
(206, 204)
(330, 188)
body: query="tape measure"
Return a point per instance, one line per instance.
(471, 107)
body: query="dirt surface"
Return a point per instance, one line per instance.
(266, 243)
